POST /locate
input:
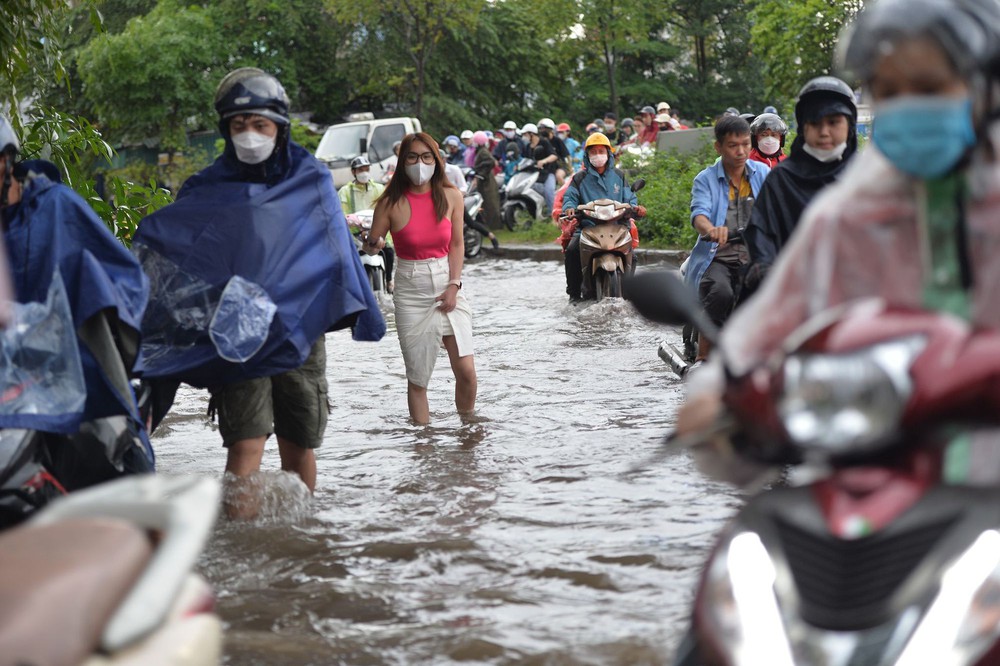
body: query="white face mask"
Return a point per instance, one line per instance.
(509, 134)
(599, 160)
(363, 177)
(420, 173)
(253, 147)
(826, 155)
(769, 145)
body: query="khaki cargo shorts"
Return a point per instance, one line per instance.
(292, 405)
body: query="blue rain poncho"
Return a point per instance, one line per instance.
(246, 273)
(66, 268)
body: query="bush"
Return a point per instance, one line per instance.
(667, 196)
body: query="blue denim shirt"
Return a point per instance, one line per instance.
(710, 197)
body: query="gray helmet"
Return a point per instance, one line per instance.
(768, 121)
(360, 161)
(965, 29)
(252, 90)
(648, 109)
(8, 140)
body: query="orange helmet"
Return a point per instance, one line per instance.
(563, 127)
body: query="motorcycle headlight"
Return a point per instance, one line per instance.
(845, 402)
(739, 596)
(605, 212)
(963, 621)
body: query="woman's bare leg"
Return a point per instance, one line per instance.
(416, 400)
(466, 384)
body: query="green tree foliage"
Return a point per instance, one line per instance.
(140, 97)
(30, 33)
(414, 27)
(794, 40)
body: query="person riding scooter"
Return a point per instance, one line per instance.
(599, 179)
(62, 255)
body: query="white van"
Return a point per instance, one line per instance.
(362, 135)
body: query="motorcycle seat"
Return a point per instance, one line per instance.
(60, 584)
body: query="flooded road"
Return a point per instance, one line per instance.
(520, 538)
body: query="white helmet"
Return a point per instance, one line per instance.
(547, 122)
(466, 134)
(510, 124)
(529, 128)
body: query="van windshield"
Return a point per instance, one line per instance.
(342, 143)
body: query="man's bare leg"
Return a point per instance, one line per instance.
(242, 460)
(302, 461)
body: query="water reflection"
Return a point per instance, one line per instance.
(522, 535)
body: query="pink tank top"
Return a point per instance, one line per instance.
(424, 236)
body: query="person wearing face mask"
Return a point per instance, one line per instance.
(468, 151)
(827, 117)
(361, 192)
(424, 212)
(913, 220)
(456, 153)
(545, 158)
(65, 263)
(598, 179)
(547, 129)
(250, 267)
(767, 135)
(573, 147)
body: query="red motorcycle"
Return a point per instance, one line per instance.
(891, 554)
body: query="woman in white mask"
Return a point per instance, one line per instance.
(827, 119)
(425, 214)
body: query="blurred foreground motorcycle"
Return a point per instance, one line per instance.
(890, 554)
(103, 577)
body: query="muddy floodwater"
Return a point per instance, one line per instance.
(524, 537)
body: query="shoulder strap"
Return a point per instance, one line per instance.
(578, 178)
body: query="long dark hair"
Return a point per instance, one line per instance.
(400, 183)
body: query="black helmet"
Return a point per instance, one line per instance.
(251, 90)
(748, 117)
(965, 29)
(825, 96)
(768, 121)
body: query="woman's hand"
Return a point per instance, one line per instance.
(449, 299)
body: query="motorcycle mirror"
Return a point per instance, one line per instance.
(638, 184)
(662, 297)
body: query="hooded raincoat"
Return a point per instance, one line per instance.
(62, 254)
(248, 268)
(593, 185)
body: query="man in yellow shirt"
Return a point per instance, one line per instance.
(360, 193)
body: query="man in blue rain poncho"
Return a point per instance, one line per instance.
(73, 344)
(248, 269)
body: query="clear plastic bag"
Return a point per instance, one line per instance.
(40, 368)
(242, 320)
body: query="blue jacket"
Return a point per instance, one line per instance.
(593, 186)
(710, 197)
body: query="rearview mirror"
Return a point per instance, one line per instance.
(662, 297)
(638, 184)
(362, 146)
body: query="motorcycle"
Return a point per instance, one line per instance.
(524, 197)
(888, 555)
(375, 265)
(606, 246)
(473, 211)
(104, 576)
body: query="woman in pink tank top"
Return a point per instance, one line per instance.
(425, 213)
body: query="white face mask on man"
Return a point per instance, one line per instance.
(363, 177)
(253, 147)
(420, 173)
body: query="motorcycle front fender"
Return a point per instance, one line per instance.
(610, 263)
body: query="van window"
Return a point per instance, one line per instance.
(342, 143)
(382, 140)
